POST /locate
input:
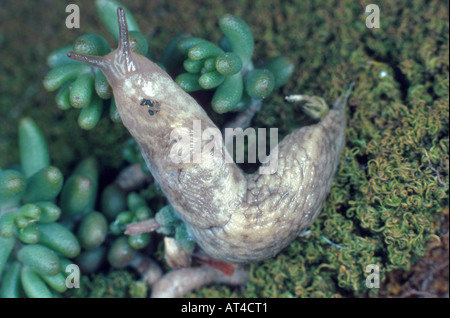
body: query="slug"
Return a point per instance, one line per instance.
(234, 217)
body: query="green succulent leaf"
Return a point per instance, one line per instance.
(10, 287)
(57, 282)
(259, 83)
(44, 185)
(40, 258)
(135, 201)
(62, 74)
(92, 230)
(228, 94)
(90, 260)
(82, 90)
(243, 103)
(188, 82)
(6, 246)
(7, 224)
(121, 253)
(59, 238)
(138, 42)
(239, 36)
(64, 263)
(113, 201)
(204, 50)
(211, 80)
(59, 57)
(62, 98)
(102, 87)
(107, 11)
(139, 241)
(114, 112)
(27, 214)
(193, 66)
(90, 115)
(12, 188)
(29, 234)
(281, 68)
(143, 213)
(33, 285)
(116, 228)
(228, 63)
(91, 44)
(125, 217)
(185, 44)
(209, 64)
(75, 195)
(34, 154)
(50, 212)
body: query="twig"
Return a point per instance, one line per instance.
(179, 282)
(146, 226)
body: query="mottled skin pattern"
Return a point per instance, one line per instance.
(234, 217)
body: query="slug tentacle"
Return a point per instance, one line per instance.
(97, 61)
(117, 64)
(124, 42)
(234, 217)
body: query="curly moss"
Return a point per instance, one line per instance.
(114, 284)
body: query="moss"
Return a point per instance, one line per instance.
(115, 284)
(428, 277)
(392, 184)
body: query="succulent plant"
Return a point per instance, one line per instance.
(227, 67)
(84, 87)
(34, 247)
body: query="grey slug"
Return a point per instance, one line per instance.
(233, 216)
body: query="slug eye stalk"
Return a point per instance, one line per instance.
(117, 63)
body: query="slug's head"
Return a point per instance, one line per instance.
(120, 63)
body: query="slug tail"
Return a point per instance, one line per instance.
(342, 100)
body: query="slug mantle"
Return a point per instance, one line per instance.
(233, 216)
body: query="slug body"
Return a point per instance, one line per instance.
(234, 217)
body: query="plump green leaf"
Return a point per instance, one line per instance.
(40, 258)
(59, 238)
(92, 230)
(34, 154)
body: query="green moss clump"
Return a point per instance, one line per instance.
(114, 284)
